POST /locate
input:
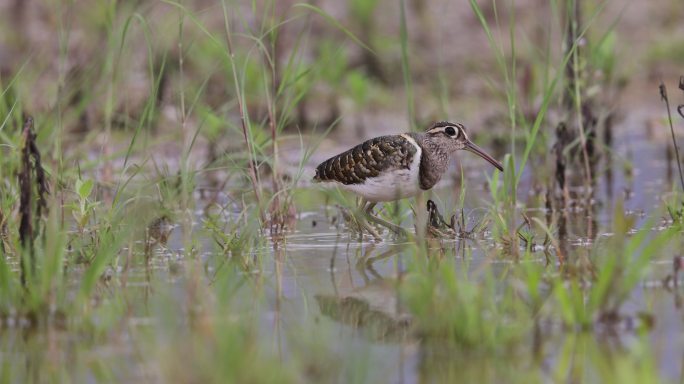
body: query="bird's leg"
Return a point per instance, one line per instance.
(368, 206)
(361, 223)
(376, 220)
(358, 223)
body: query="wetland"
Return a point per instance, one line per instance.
(158, 220)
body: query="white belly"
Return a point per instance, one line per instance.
(394, 185)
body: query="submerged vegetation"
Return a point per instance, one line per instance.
(157, 220)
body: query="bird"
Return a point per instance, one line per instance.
(393, 167)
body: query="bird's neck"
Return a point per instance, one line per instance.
(434, 161)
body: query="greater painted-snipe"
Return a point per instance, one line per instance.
(389, 168)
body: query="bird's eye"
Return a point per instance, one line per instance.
(450, 131)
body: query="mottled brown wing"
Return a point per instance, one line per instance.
(368, 159)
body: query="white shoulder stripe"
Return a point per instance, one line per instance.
(413, 141)
(419, 151)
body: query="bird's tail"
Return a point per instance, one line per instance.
(317, 177)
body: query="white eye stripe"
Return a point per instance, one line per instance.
(459, 128)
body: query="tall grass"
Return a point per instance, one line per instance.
(478, 309)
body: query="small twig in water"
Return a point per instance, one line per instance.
(663, 96)
(680, 107)
(677, 263)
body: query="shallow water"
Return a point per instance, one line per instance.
(319, 274)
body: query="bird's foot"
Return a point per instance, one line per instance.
(358, 223)
(399, 231)
(364, 221)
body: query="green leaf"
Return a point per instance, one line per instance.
(84, 188)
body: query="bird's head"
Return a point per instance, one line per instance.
(453, 136)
